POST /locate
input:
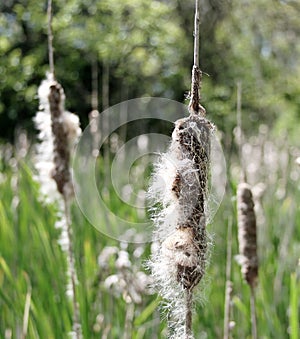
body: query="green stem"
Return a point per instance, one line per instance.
(253, 313)
(188, 313)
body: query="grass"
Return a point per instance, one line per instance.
(33, 266)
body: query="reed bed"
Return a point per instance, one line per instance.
(30, 252)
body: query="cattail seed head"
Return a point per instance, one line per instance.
(59, 130)
(247, 234)
(182, 251)
(179, 189)
(61, 173)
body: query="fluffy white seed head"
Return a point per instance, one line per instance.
(179, 192)
(45, 155)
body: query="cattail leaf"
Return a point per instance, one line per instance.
(7, 271)
(294, 307)
(10, 303)
(240, 306)
(147, 312)
(4, 221)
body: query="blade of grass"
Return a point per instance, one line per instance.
(294, 313)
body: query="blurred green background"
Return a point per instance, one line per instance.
(145, 48)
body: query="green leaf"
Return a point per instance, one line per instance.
(294, 307)
(147, 312)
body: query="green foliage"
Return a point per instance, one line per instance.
(147, 48)
(256, 44)
(294, 307)
(138, 41)
(32, 260)
(28, 258)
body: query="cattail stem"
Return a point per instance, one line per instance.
(227, 308)
(253, 313)
(239, 118)
(50, 37)
(188, 313)
(129, 321)
(228, 287)
(196, 33)
(239, 127)
(94, 114)
(26, 309)
(94, 100)
(105, 105)
(194, 105)
(71, 260)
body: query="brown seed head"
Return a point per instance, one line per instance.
(247, 234)
(61, 173)
(182, 250)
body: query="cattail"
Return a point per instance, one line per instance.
(247, 234)
(94, 114)
(247, 244)
(59, 131)
(247, 257)
(179, 188)
(187, 243)
(229, 284)
(64, 129)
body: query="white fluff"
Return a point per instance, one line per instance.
(45, 166)
(44, 155)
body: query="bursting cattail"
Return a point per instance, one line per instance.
(65, 129)
(247, 234)
(179, 189)
(58, 132)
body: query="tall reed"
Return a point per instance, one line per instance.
(180, 188)
(247, 244)
(59, 130)
(247, 258)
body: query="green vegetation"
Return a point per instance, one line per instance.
(144, 48)
(32, 261)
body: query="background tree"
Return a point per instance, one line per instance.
(144, 48)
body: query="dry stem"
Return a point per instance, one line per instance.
(194, 105)
(94, 114)
(196, 33)
(61, 173)
(253, 313)
(228, 287)
(26, 309)
(239, 127)
(50, 37)
(188, 313)
(71, 259)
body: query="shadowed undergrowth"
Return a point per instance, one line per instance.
(113, 301)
